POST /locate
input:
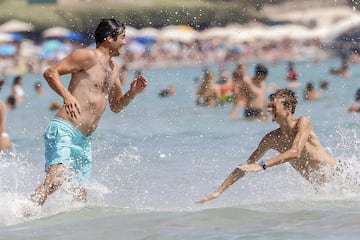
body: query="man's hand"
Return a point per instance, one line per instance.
(139, 84)
(253, 167)
(208, 197)
(72, 107)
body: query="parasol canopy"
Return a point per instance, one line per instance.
(16, 26)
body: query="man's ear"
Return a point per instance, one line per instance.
(109, 39)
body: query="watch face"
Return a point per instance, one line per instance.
(262, 164)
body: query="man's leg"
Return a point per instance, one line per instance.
(79, 194)
(54, 179)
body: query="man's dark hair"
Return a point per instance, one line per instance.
(108, 27)
(290, 101)
(357, 95)
(261, 70)
(309, 86)
(237, 73)
(11, 101)
(17, 79)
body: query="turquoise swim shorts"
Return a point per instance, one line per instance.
(65, 144)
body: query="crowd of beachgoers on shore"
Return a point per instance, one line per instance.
(34, 58)
(310, 39)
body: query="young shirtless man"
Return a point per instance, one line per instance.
(296, 142)
(255, 93)
(94, 80)
(5, 143)
(238, 76)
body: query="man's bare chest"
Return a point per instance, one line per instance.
(283, 142)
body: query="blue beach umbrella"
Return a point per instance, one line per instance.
(146, 39)
(16, 36)
(73, 36)
(50, 47)
(7, 50)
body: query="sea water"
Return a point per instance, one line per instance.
(153, 160)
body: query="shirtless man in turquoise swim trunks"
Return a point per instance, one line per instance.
(296, 142)
(94, 80)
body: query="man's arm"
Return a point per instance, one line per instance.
(2, 117)
(304, 129)
(354, 108)
(118, 101)
(237, 173)
(302, 136)
(79, 60)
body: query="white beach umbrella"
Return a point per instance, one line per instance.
(149, 32)
(215, 32)
(322, 16)
(29, 49)
(320, 33)
(240, 36)
(181, 33)
(286, 31)
(16, 26)
(55, 32)
(344, 26)
(130, 31)
(5, 37)
(245, 33)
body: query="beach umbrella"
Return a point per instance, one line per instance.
(136, 47)
(55, 32)
(52, 44)
(7, 49)
(280, 32)
(29, 49)
(146, 39)
(16, 26)
(149, 31)
(300, 33)
(130, 31)
(6, 37)
(16, 36)
(215, 32)
(344, 26)
(246, 34)
(73, 36)
(181, 33)
(50, 47)
(147, 35)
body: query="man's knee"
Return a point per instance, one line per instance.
(54, 177)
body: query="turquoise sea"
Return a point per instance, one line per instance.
(158, 156)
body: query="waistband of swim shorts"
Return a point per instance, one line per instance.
(70, 125)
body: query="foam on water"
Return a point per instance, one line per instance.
(152, 163)
(134, 187)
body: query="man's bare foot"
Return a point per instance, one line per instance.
(29, 209)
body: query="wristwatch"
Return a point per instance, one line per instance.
(262, 164)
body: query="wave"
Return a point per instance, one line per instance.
(279, 190)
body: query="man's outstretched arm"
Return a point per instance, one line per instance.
(238, 173)
(235, 175)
